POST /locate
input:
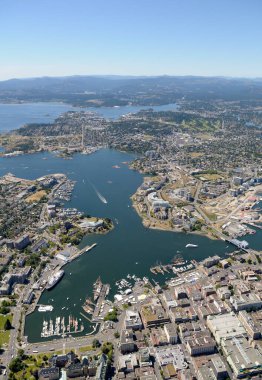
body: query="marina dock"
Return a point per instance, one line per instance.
(103, 293)
(87, 248)
(38, 293)
(59, 327)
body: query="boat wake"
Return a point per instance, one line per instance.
(100, 196)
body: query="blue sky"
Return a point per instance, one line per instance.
(134, 37)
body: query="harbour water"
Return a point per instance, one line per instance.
(101, 190)
(129, 248)
(13, 116)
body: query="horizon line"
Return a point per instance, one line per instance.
(132, 76)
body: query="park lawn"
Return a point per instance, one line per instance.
(57, 353)
(36, 197)
(196, 154)
(33, 362)
(38, 358)
(4, 337)
(85, 348)
(25, 374)
(3, 318)
(212, 177)
(212, 217)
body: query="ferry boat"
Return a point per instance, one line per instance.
(43, 308)
(53, 280)
(191, 246)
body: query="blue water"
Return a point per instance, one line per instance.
(128, 248)
(13, 116)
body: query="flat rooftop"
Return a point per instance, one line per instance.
(225, 325)
(171, 355)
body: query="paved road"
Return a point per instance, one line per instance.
(11, 351)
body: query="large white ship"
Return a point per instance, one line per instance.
(53, 280)
(43, 308)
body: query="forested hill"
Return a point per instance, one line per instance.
(120, 90)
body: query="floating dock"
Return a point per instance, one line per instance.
(58, 327)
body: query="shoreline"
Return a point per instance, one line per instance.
(85, 249)
(215, 235)
(75, 256)
(170, 229)
(152, 227)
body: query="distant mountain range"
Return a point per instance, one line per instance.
(78, 89)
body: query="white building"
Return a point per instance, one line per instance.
(133, 320)
(242, 358)
(225, 326)
(250, 301)
(92, 223)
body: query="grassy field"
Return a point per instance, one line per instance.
(3, 318)
(196, 154)
(210, 215)
(85, 349)
(4, 335)
(36, 197)
(33, 363)
(209, 177)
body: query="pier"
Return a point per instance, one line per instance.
(87, 248)
(103, 293)
(59, 327)
(259, 226)
(38, 293)
(84, 316)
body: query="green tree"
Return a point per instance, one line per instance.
(4, 310)
(107, 349)
(111, 315)
(96, 343)
(16, 365)
(20, 353)
(7, 325)
(11, 376)
(6, 303)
